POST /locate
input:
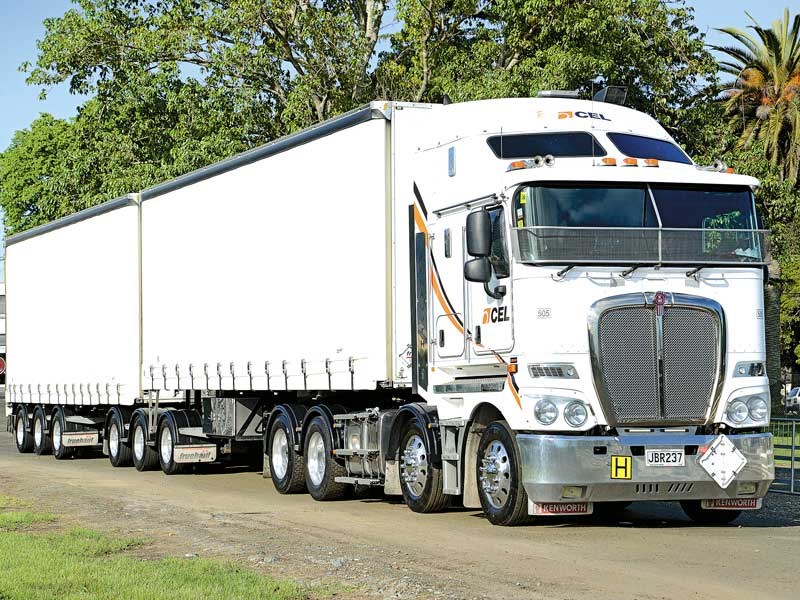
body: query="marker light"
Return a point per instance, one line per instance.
(730, 171)
(630, 162)
(650, 162)
(517, 164)
(605, 162)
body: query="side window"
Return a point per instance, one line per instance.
(498, 255)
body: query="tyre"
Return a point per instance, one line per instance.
(144, 457)
(58, 426)
(421, 480)
(285, 466)
(119, 453)
(41, 437)
(696, 513)
(321, 467)
(499, 475)
(22, 433)
(167, 437)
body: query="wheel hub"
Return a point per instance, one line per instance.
(495, 474)
(315, 460)
(166, 445)
(138, 443)
(414, 468)
(20, 430)
(37, 432)
(279, 457)
(57, 434)
(113, 440)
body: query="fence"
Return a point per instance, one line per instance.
(786, 441)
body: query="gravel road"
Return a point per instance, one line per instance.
(377, 548)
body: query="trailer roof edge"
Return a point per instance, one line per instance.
(77, 217)
(344, 121)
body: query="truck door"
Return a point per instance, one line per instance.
(490, 319)
(447, 288)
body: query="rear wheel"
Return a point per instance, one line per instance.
(698, 514)
(503, 498)
(119, 453)
(321, 467)
(167, 436)
(144, 457)
(421, 481)
(41, 437)
(22, 434)
(285, 466)
(59, 424)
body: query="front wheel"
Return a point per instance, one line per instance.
(499, 475)
(695, 511)
(422, 481)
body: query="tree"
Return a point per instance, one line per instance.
(764, 100)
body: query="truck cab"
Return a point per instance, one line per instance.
(604, 297)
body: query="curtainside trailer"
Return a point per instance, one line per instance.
(530, 306)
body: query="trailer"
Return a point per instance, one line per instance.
(530, 306)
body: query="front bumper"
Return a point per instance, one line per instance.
(551, 462)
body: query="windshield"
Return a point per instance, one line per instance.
(641, 223)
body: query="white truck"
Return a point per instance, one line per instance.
(531, 306)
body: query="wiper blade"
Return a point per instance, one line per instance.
(562, 273)
(628, 272)
(695, 271)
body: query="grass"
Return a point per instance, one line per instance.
(81, 564)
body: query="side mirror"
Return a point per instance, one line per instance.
(479, 234)
(478, 270)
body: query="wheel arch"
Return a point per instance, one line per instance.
(295, 413)
(427, 418)
(126, 417)
(482, 415)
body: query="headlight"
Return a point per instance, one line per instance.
(576, 414)
(545, 412)
(737, 411)
(757, 408)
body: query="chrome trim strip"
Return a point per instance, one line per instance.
(686, 301)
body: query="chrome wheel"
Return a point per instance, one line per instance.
(113, 440)
(57, 434)
(279, 457)
(495, 474)
(315, 458)
(414, 470)
(166, 445)
(20, 431)
(37, 431)
(138, 443)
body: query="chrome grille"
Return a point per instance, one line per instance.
(656, 365)
(690, 359)
(628, 363)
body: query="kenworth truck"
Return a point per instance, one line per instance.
(530, 306)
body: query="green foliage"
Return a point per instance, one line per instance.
(764, 100)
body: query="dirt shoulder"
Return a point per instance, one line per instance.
(378, 548)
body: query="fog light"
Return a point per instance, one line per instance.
(576, 414)
(747, 488)
(546, 412)
(573, 492)
(758, 408)
(737, 411)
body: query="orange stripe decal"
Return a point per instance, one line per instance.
(512, 386)
(445, 308)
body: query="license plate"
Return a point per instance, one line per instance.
(665, 457)
(562, 508)
(732, 504)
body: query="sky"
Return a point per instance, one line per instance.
(21, 25)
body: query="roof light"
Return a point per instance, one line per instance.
(650, 162)
(517, 164)
(630, 162)
(605, 162)
(730, 170)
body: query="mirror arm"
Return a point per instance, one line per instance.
(497, 293)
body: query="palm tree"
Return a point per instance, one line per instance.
(763, 101)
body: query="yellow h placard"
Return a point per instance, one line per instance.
(621, 467)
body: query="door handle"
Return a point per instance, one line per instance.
(477, 334)
(441, 338)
